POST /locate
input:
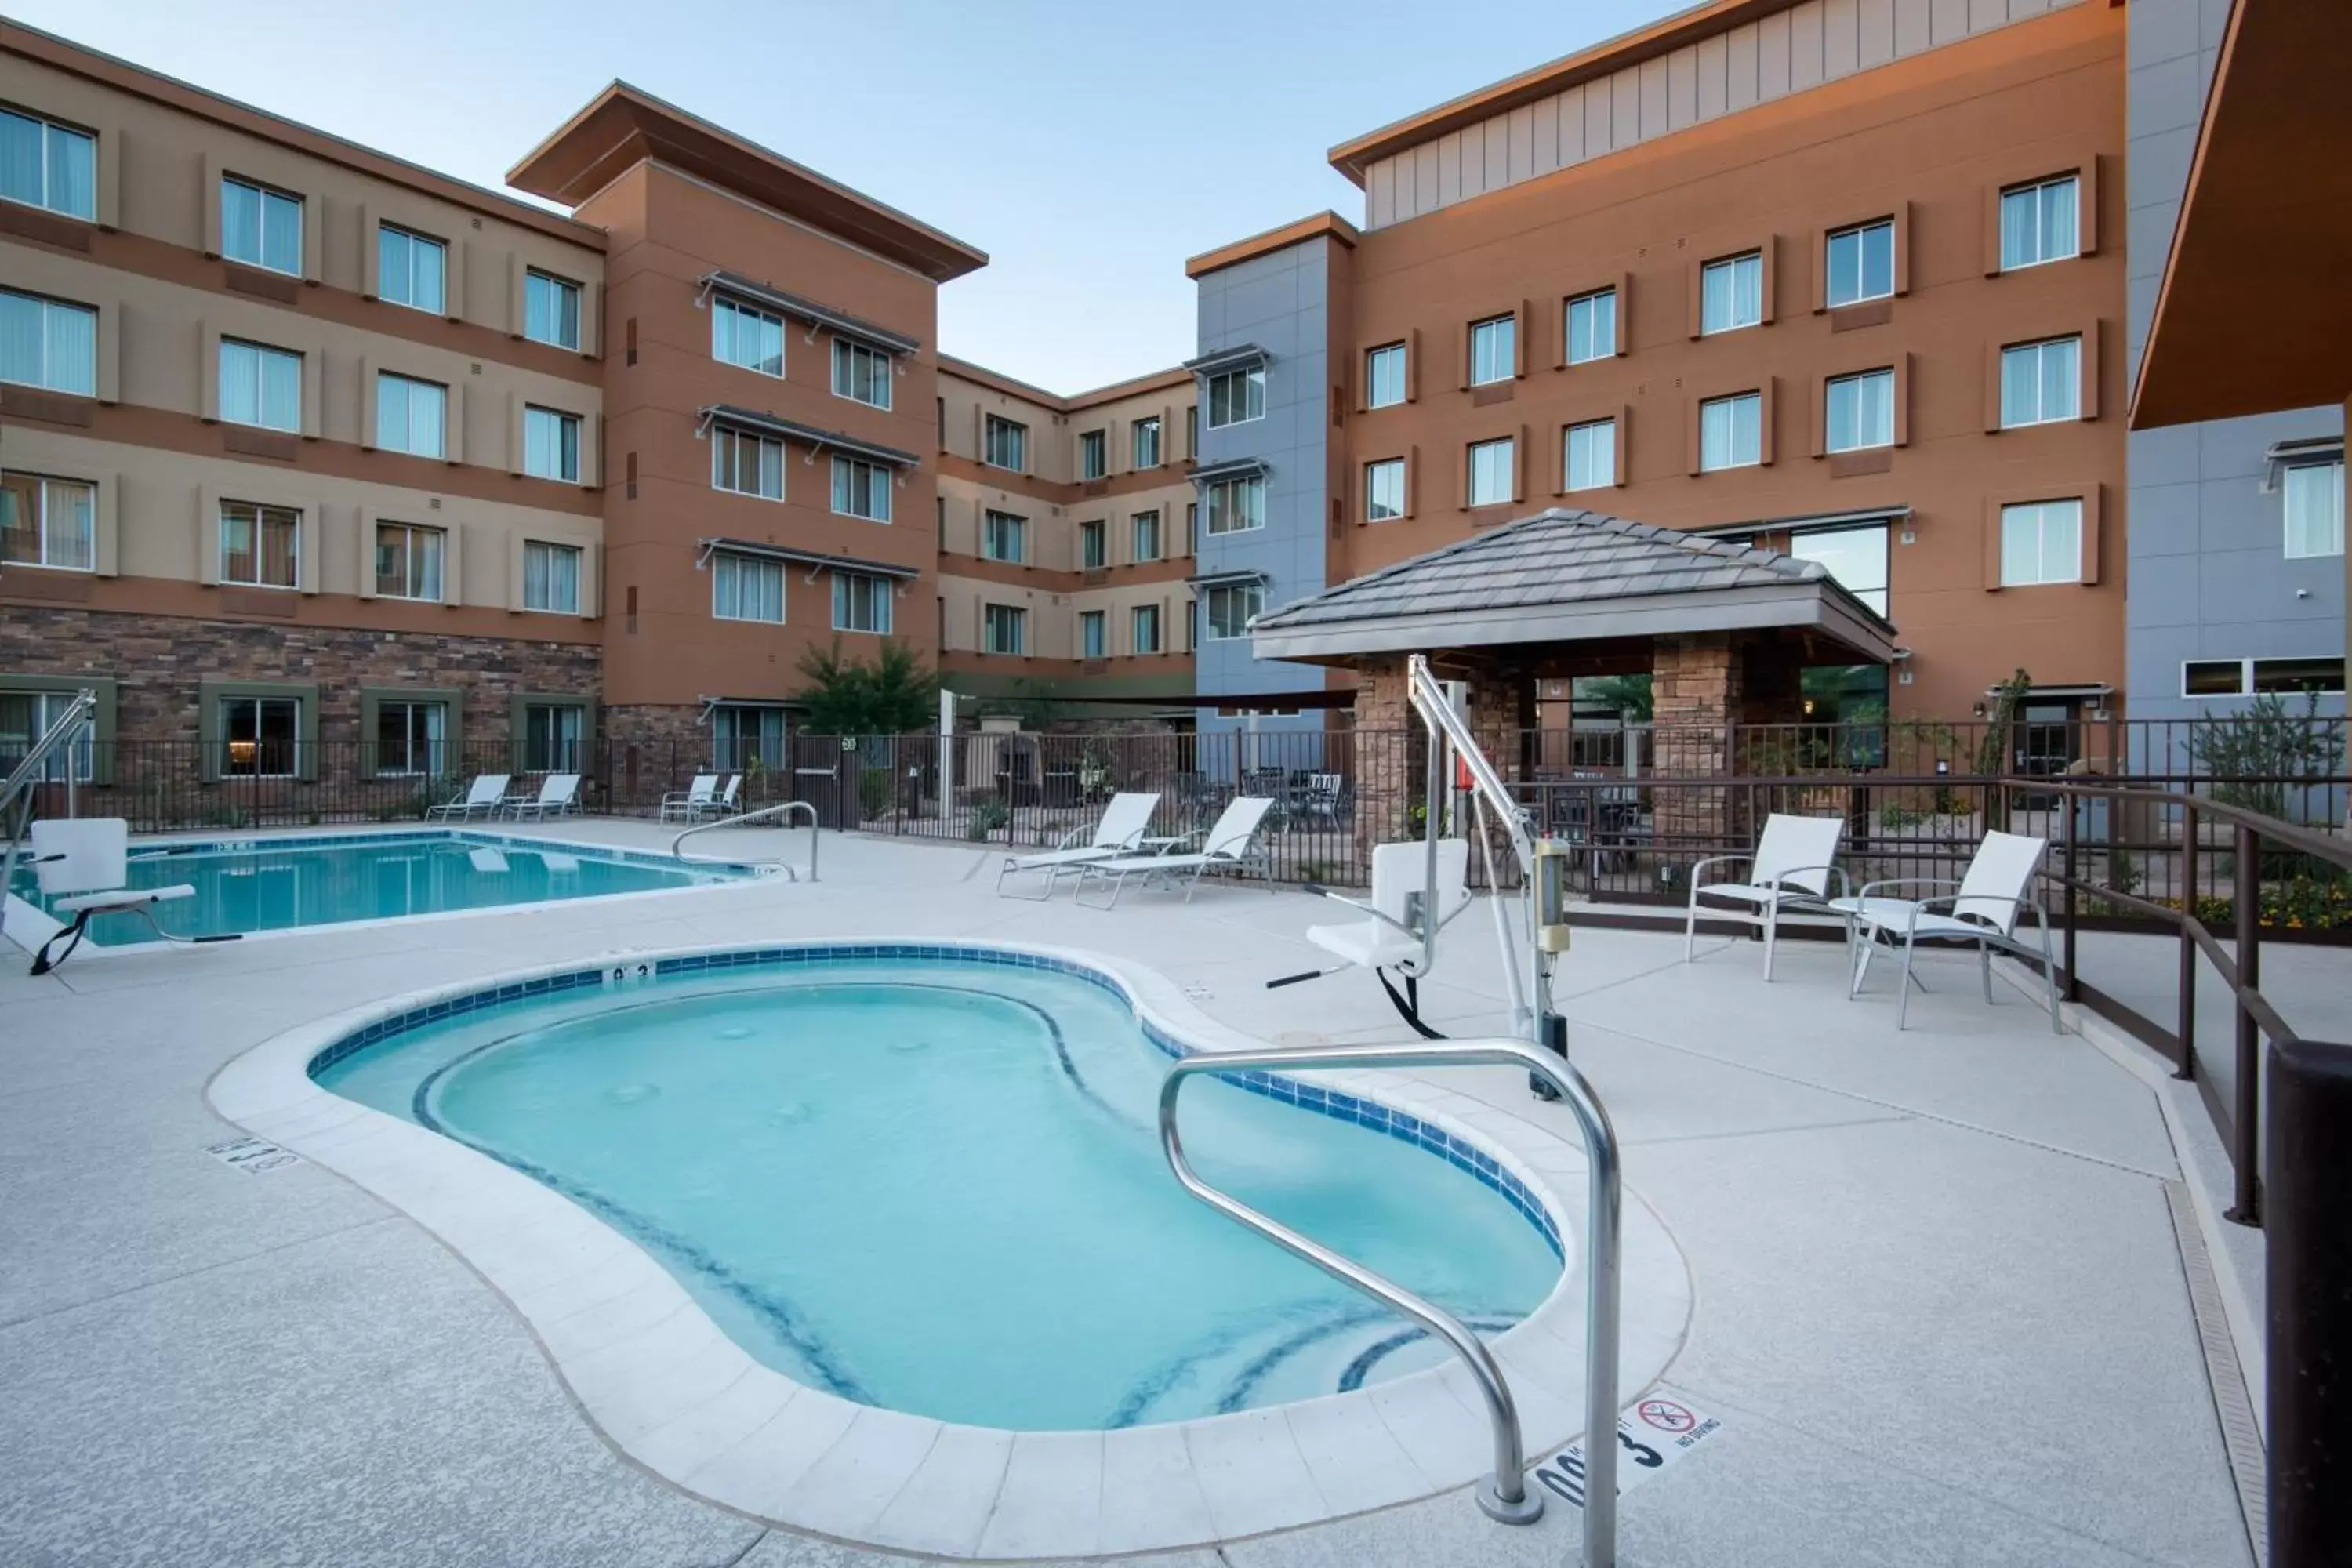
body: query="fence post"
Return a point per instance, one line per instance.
(2072, 806)
(2246, 1135)
(2307, 1277)
(2186, 1067)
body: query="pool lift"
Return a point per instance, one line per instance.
(1395, 926)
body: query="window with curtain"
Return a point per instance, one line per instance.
(1236, 396)
(410, 738)
(1144, 438)
(742, 735)
(551, 577)
(46, 164)
(1143, 628)
(2314, 509)
(410, 415)
(1237, 505)
(861, 374)
(550, 310)
(26, 716)
(408, 561)
(552, 733)
(1492, 470)
(1094, 454)
(48, 343)
(1093, 643)
(1732, 432)
(260, 546)
(259, 736)
(1591, 456)
(1731, 293)
(1094, 545)
(411, 269)
(261, 227)
(1146, 535)
(1231, 607)
(1494, 349)
(1592, 326)
(861, 603)
(747, 588)
(260, 386)
(47, 522)
(550, 444)
(861, 489)
(1860, 264)
(1384, 375)
(747, 463)
(1005, 629)
(1860, 412)
(1002, 536)
(2041, 382)
(741, 335)
(2041, 541)
(2041, 222)
(1005, 444)
(1384, 490)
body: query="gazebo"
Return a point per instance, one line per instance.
(1723, 629)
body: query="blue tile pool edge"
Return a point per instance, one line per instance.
(1373, 1115)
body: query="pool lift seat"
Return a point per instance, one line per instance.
(88, 860)
(1390, 937)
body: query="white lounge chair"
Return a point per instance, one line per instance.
(729, 796)
(1229, 845)
(1794, 860)
(685, 805)
(1118, 831)
(488, 793)
(1985, 908)
(558, 795)
(89, 860)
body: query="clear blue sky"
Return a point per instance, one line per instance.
(1088, 148)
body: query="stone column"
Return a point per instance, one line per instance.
(1695, 696)
(1502, 715)
(1386, 757)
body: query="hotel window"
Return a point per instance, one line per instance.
(1193, 528)
(746, 463)
(1004, 628)
(551, 577)
(1193, 428)
(1591, 458)
(1491, 465)
(550, 444)
(259, 736)
(743, 736)
(551, 733)
(45, 165)
(752, 338)
(260, 386)
(1494, 349)
(411, 269)
(1732, 432)
(261, 227)
(1384, 376)
(26, 716)
(1093, 455)
(2039, 222)
(1731, 293)
(2314, 509)
(410, 738)
(550, 310)
(1856, 557)
(1384, 490)
(1231, 607)
(747, 588)
(1236, 396)
(47, 522)
(1093, 642)
(1144, 442)
(2040, 382)
(2040, 542)
(1860, 264)
(861, 489)
(1146, 525)
(2240, 677)
(408, 562)
(410, 415)
(861, 374)
(260, 546)
(1592, 326)
(1860, 412)
(1005, 444)
(48, 343)
(1003, 536)
(861, 603)
(1092, 547)
(1143, 628)
(1238, 505)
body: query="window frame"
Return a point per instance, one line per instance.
(1861, 381)
(1591, 300)
(1600, 436)
(726, 451)
(1002, 436)
(1374, 376)
(846, 353)
(414, 534)
(735, 576)
(2072, 178)
(1135, 617)
(2286, 509)
(1377, 472)
(553, 550)
(728, 318)
(2248, 676)
(993, 529)
(1015, 616)
(1222, 498)
(437, 747)
(263, 513)
(1500, 347)
(1251, 381)
(879, 591)
(47, 699)
(1730, 267)
(1137, 446)
(879, 480)
(1135, 526)
(224, 702)
(263, 353)
(1093, 455)
(412, 238)
(39, 487)
(1481, 454)
(264, 193)
(45, 126)
(569, 434)
(560, 288)
(1732, 401)
(385, 380)
(47, 303)
(1093, 539)
(1251, 595)
(2041, 509)
(2039, 348)
(1860, 233)
(1098, 644)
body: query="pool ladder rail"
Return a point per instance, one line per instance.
(676, 845)
(1504, 1495)
(31, 769)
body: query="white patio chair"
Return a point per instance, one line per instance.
(559, 793)
(1230, 844)
(87, 859)
(729, 796)
(1794, 860)
(685, 805)
(485, 796)
(1118, 831)
(1985, 909)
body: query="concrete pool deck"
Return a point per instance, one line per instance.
(1939, 1305)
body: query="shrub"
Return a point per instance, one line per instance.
(873, 792)
(987, 817)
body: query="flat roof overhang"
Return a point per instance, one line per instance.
(840, 323)
(808, 435)
(812, 558)
(2254, 314)
(1802, 608)
(624, 126)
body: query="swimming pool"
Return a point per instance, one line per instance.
(928, 1180)
(248, 885)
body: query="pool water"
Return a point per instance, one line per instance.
(279, 884)
(937, 1185)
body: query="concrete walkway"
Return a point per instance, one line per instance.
(1940, 1308)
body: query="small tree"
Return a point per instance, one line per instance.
(894, 695)
(1629, 696)
(2259, 754)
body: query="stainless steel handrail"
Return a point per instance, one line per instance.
(1504, 1495)
(786, 806)
(27, 773)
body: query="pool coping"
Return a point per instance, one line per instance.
(29, 925)
(666, 1387)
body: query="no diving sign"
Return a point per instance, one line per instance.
(1653, 1433)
